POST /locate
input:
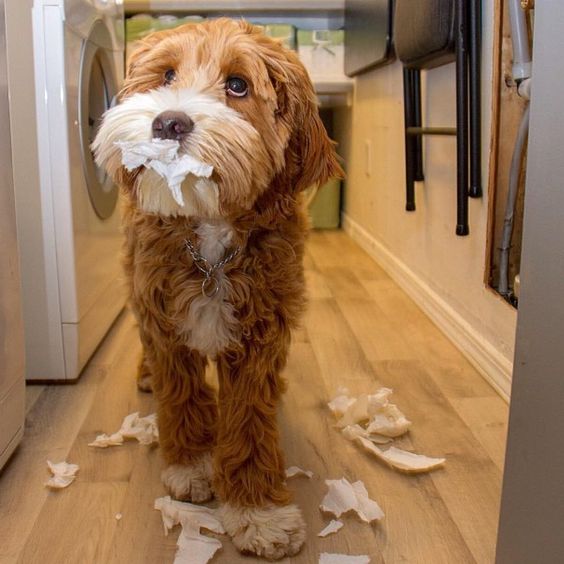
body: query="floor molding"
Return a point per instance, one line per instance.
(483, 355)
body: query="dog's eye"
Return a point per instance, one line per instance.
(169, 76)
(236, 86)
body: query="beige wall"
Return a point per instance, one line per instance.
(444, 272)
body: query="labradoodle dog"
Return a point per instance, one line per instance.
(220, 278)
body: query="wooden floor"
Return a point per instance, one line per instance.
(360, 331)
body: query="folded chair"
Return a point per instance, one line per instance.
(427, 34)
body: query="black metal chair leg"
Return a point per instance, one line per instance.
(409, 141)
(418, 141)
(475, 52)
(461, 118)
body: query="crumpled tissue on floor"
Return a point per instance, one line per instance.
(384, 418)
(402, 459)
(161, 155)
(326, 558)
(63, 474)
(193, 547)
(384, 423)
(144, 429)
(344, 496)
(352, 432)
(331, 528)
(294, 471)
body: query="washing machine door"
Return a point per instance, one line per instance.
(98, 87)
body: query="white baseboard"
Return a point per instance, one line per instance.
(483, 355)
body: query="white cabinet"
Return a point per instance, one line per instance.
(12, 385)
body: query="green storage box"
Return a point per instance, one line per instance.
(325, 209)
(285, 33)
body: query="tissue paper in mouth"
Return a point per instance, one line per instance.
(161, 155)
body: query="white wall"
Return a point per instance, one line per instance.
(443, 272)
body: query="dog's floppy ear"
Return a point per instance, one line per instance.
(311, 158)
(310, 149)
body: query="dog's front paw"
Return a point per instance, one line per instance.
(190, 483)
(273, 532)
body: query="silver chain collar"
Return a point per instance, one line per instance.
(210, 283)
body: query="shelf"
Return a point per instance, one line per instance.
(208, 6)
(334, 92)
(342, 85)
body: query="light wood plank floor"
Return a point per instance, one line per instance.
(361, 331)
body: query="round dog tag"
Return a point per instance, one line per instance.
(210, 286)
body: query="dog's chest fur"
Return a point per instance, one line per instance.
(210, 324)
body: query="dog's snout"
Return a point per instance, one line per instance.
(172, 125)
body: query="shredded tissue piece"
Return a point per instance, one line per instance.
(384, 418)
(63, 474)
(351, 432)
(341, 402)
(326, 558)
(402, 459)
(193, 547)
(344, 496)
(161, 155)
(293, 471)
(385, 422)
(144, 429)
(331, 528)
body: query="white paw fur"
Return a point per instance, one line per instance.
(190, 483)
(272, 532)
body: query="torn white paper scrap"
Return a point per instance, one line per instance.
(344, 496)
(193, 547)
(351, 432)
(326, 558)
(293, 471)
(341, 402)
(144, 429)
(388, 421)
(161, 155)
(331, 528)
(177, 512)
(63, 474)
(384, 417)
(364, 407)
(104, 440)
(402, 459)
(366, 508)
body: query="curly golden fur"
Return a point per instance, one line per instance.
(268, 147)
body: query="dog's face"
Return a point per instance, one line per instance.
(234, 99)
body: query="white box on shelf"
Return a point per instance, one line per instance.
(323, 53)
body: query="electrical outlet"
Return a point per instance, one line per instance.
(368, 157)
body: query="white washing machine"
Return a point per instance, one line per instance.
(77, 290)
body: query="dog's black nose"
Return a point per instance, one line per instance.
(172, 125)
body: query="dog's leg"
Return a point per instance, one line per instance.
(249, 465)
(187, 417)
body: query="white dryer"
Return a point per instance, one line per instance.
(79, 67)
